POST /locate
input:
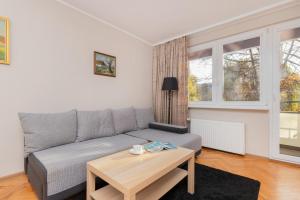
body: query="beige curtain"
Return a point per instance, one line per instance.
(170, 59)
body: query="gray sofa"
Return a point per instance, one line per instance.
(58, 146)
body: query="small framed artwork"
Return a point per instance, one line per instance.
(104, 64)
(4, 40)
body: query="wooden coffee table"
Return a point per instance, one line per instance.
(145, 177)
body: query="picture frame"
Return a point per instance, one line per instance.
(104, 64)
(4, 41)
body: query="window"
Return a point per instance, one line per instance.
(200, 75)
(227, 73)
(290, 71)
(241, 62)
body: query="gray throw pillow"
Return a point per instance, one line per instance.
(124, 120)
(94, 124)
(144, 116)
(45, 130)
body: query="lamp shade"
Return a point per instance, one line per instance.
(170, 83)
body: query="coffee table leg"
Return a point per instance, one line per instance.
(129, 197)
(191, 175)
(90, 184)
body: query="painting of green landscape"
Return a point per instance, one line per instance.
(104, 64)
(4, 41)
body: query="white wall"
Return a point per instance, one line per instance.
(51, 69)
(252, 22)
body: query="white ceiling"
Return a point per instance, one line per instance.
(155, 21)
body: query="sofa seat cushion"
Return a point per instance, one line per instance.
(66, 165)
(188, 140)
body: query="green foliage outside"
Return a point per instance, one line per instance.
(241, 75)
(290, 73)
(290, 91)
(241, 78)
(192, 88)
(242, 82)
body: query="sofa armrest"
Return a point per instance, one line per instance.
(168, 127)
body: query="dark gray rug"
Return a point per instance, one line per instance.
(214, 184)
(211, 184)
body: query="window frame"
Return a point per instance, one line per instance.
(218, 72)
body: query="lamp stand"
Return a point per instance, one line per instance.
(169, 106)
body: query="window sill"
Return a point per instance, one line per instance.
(229, 107)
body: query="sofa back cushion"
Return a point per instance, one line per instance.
(124, 120)
(144, 116)
(45, 130)
(94, 124)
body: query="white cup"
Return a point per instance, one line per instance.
(138, 148)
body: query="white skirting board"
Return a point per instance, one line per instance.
(225, 136)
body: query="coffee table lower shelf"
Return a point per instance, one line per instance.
(152, 192)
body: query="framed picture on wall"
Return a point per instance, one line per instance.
(104, 64)
(4, 40)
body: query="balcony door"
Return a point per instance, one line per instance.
(286, 92)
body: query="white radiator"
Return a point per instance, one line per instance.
(225, 136)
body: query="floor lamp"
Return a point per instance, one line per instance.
(170, 84)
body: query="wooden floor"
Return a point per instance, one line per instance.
(279, 181)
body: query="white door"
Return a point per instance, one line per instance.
(285, 126)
